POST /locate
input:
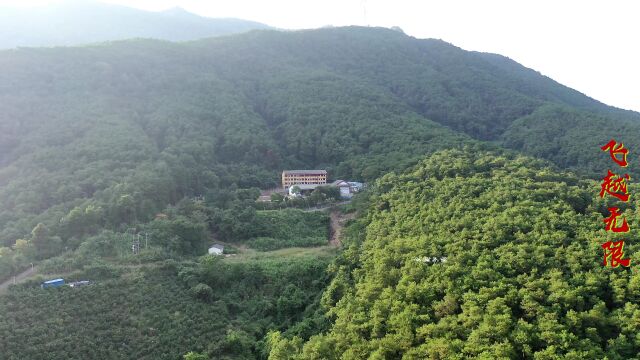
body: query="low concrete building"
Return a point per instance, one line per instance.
(356, 186)
(305, 189)
(80, 283)
(344, 187)
(216, 249)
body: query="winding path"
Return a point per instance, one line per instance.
(324, 207)
(19, 278)
(337, 221)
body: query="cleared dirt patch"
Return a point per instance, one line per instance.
(338, 219)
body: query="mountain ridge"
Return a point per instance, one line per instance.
(78, 23)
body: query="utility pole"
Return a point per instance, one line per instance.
(135, 241)
(136, 244)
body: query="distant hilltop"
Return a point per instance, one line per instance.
(77, 23)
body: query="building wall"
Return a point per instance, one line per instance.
(289, 179)
(215, 251)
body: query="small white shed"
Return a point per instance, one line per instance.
(216, 249)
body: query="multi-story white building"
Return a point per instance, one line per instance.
(303, 177)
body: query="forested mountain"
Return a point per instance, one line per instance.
(82, 22)
(130, 127)
(478, 255)
(101, 140)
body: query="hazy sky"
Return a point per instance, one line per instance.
(591, 46)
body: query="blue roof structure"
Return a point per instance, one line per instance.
(53, 281)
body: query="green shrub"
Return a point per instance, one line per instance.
(269, 244)
(202, 292)
(279, 229)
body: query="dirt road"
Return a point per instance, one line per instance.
(337, 221)
(19, 278)
(325, 207)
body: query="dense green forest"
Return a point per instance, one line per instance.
(476, 254)
(164, 310)
(174, 141)
(111, 134)
(141, 124)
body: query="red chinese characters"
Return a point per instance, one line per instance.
(614, 251)
(615, 185)
(617, 149)
(611, 223)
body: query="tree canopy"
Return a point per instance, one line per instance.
(482, 255)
